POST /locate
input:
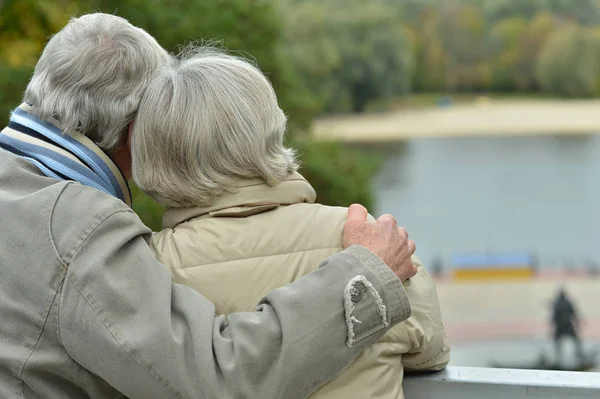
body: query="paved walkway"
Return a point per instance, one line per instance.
(507, 322)
(483, 310)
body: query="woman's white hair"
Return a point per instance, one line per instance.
(205, 122)
(92, 74)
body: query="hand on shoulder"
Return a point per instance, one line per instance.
(383, 237)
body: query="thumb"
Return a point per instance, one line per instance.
(357, 214)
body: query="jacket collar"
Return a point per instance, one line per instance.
(60, 155)
(252, 197)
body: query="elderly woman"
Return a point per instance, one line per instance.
(208, 143)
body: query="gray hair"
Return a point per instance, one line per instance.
(205, 122)
(92, 74)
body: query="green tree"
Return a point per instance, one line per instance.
(463, 34)
(312, 50)
(12, 85)
(348, 53)
(496, 10)
(429, 72)
(24, 28)
(535, 36)
(568, 64)
(341, 176)
(583, 11)
(376, 58)
(505, 44)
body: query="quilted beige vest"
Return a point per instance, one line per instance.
(261, 238)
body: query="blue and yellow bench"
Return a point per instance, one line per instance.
(492, 266)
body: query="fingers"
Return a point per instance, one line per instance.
(406, 269)
(403, 232)
(357, 214)
(388, 220)
(412, 247)
(413, 271)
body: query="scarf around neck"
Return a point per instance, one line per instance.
(62, 156)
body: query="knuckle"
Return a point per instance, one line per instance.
(388, 219)
(412, 246)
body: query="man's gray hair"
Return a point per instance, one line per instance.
(92, 74)
(205, 122)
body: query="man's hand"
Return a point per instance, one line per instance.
(383, 237)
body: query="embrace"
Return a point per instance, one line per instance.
(251, 290)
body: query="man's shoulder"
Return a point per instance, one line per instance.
(84, 200)
(78, 211)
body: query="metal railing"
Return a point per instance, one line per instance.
(490, 383)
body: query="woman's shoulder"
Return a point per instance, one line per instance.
(320, 211)
(287, 229)
(306, 226)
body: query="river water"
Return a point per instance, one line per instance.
(539, 195)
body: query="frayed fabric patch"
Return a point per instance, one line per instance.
(349, 307)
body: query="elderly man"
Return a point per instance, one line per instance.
(88, 312)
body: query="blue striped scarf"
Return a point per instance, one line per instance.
(62, 156)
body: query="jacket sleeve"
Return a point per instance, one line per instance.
(428, 345)
(427, 348)
(123, 319)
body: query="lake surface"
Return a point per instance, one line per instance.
(471, 195)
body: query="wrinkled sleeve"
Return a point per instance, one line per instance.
(429, 349)
(123, 319)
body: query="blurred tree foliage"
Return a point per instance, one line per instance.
(252, 28)
(348, 52)
(569, 63)
(505, 45)
(439, 46)
(342, 55)
(341, 176)
(24, 29)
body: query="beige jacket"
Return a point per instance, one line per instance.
(261, 238)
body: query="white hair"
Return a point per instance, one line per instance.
(92, 74)
(204, 122)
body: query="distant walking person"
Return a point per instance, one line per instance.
(566, 324)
